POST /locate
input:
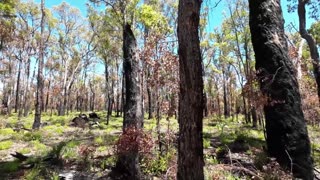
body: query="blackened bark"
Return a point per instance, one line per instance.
(39, 95)
(287, 136)
(128, 163)
(190, 147)
(150, 107)
(311, 42)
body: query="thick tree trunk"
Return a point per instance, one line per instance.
(190, 147)
(311, 42)
(128, 163)
(39, 100)
(287, 136)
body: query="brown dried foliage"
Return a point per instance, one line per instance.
(134, 140)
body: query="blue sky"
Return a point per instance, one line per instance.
(215, 19)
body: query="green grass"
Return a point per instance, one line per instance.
(99, 140)
(7, 132)
(39, 147)
(64, 142)
(32, 136)
(5, 145)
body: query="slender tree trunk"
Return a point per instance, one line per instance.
(218, 102)
(26, 93)
(311, 42)
(17, 103)
(225, 99)
(150, 108)
(107, 90)
(128, 163)
(190, 147)
(254, 117)
(123, 98)
(47, 96)
(110, 102)
(39, 100)
(287, 135)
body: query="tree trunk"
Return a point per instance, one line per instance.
(110, 102)
(128, 163)
(190, 147)
(254, 117)
(287, 136)
(225, 99)
(107, 90)
(39, 100)
(47, 97)
(123, 99)
(26, 92)
(150, 108)
(311, 42)
(17, 103)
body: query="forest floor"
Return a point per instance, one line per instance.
(232, 150)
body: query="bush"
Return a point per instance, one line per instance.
(157, 164)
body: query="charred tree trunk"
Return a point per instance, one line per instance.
(128, 163)
(190, 147)
(39, 100)
(150, 108)
(287, 136)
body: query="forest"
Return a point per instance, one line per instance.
(150, 89)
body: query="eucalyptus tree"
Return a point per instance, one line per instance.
(7, 15)
(190, 144)
(241, 46)
(106, 34)
(70, 42)
(128, 162)
(287, 135)
(40, 78)
(310, 40)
